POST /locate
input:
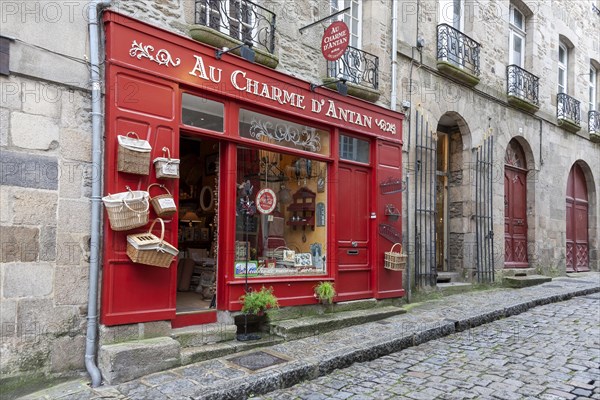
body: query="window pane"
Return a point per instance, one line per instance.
(562, 54)
(354, 149)
(517, 50)
(518, 19)
(273, 130)
(202, 113)
(292, 238)
(561, 80)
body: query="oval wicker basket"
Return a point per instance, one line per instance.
(127, 210)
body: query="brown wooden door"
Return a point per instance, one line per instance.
(354, 280)
(577, 222)
(515, 217)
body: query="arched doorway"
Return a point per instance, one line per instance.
(577, 221)
(515, 207)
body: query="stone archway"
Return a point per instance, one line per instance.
(453, 195)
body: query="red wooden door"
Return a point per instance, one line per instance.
(577, 222)
(353, 233)
(515, 208)
(137, 103)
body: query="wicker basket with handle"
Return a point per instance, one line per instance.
(163, 204)
(133, 155)
(147, 248)
(166, 167)
(395, 261)
(127, 210)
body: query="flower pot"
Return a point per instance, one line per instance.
(250, 324)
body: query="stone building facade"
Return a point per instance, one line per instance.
(45, 144)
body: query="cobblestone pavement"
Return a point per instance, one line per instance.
(502, 352)
(550, 352)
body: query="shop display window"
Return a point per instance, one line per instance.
(267, 129)
(202, 113)
(280, 214)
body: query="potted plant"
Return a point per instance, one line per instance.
(325, 292)
(254, 307)
(258, 302)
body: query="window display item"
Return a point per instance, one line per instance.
(147, 248)
(133, 154)
(303, 260)
(395, 261)
(166, 167)
(163, 204)
(127, 210)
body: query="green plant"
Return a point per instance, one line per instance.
(258, 302)
(325, 292)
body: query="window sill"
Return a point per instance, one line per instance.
(449, 69)
(569, 125)
(522, 104)
(362, 92)
(219, 40)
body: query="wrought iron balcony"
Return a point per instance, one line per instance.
(455, 47)
(357, 67)
(594, 122)
(242, 20)
(568, 108)
(523, 84)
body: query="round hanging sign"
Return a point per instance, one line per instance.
(336, 39)
(266, 200)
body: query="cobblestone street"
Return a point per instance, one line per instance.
(549, 352)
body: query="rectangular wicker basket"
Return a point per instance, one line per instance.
(163, 204)
(127, 210)
(166, 167)
(133, 155)
(395, 261)
(147, 248)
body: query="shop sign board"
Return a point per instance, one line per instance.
(335, 41)
(194, 64)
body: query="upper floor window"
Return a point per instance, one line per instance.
(451, 13)
(592, 88)
(517, 37)
(352, 18)
(563, 63)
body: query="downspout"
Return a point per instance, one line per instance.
(97, 116)
(394, 93)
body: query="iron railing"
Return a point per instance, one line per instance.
(241, 19)
(596, 10)
(522, 84)
(356, 66)
(459, 49)
(568, 108)
(594, 122)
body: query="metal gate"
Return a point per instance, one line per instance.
(484, 229)
(425, 202)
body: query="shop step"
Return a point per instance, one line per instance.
(525, 281)
(191, 355)
(309, 326)
(454, 287)
(200, 335)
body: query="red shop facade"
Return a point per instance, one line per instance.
(278, 185)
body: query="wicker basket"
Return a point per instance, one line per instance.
(127, 210)
(395, 261)
(166, 167)
(147, 248)
(164, 206)
(133, 155)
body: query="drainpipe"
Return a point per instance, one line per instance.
(394, 93)
(97, 116)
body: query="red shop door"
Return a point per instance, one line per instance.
(577, 222)
(149, 107)
(353, 210)
(515, 217)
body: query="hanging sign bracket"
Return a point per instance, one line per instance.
(324, 19)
